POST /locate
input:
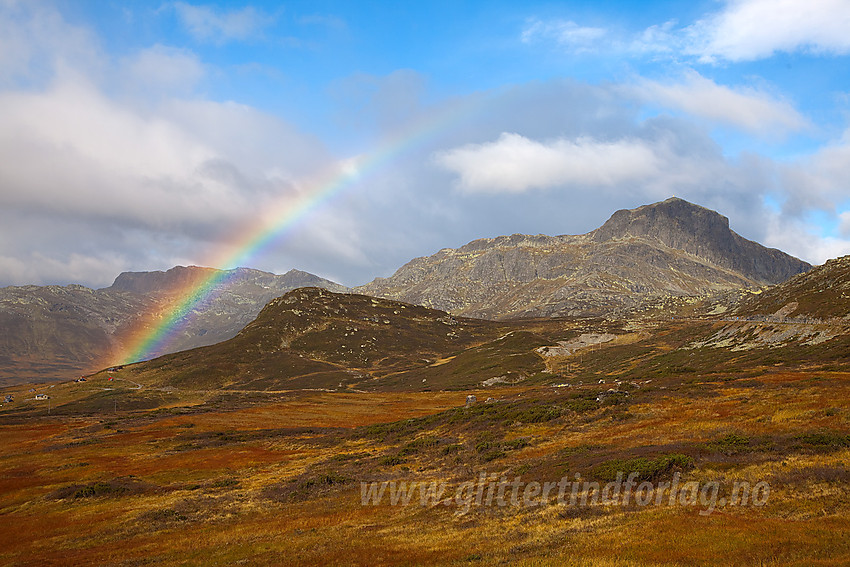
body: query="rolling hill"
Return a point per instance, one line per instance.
(313, 338)
(823, 293)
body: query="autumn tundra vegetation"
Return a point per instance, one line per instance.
(653, 440)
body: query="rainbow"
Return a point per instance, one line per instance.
(153, 334)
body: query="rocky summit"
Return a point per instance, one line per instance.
(637, 258)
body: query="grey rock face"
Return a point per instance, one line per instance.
(58, 331)
(638, 256)
(704, 233)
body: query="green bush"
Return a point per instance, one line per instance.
(97, 489)
(582, 405)
(492, 455)
(515, 444)
(824, 440)
(730, 443)
(646, 469)
(537, 414)
(390, 460)
(326, 479)
(451, 449)
(164, 515)
(418, 444)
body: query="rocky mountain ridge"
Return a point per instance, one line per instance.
(639, 256)
(52, 332)
(704, 234)
(659, 254)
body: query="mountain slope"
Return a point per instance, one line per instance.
(237, 300)
(702, 233)
(51, 332)
(639, 256)
(823, 293)
(312, 338)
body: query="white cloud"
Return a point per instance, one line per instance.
(40, 268)
(514, 163)
(746, 108)
(812, 191)
(742, 30)
(844, 224)
(818, 181)
(35, 40)
(98, 175)
(565, 33)
(660, 39)
(747, 30)
(206, 23)
(95, 179)
(73, 149)
(798, 238)
(163, 69)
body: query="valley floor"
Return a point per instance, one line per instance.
(275, 478)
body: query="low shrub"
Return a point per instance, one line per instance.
(330, 478)
(822, 440)
(390, 460)
(225, 483)
(121, 486)
(730, 443)
(646, 469)
(418, 444)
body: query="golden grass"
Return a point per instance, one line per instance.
(208, 504)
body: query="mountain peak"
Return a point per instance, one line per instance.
(181, 277)
(701, 232)
(639, 255)
(669, 221)
(157, 282)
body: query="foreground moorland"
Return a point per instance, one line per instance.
(183, 461)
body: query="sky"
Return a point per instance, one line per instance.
(142, 135)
